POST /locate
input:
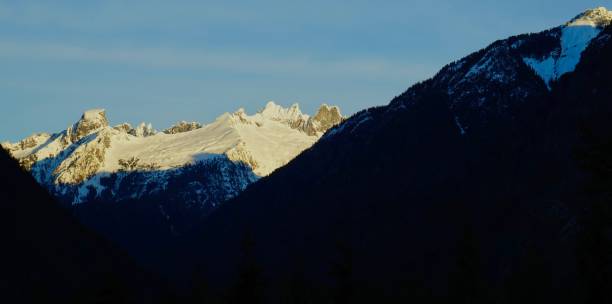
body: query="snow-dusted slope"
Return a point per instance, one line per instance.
(74, 162)
(575, 37)
(265, 141)
(497, 82)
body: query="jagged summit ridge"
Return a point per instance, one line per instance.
(142, 130)
(597, 17)
(182, 126)
(90, 149)
(278, 112)
(325, 117)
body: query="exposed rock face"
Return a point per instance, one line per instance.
(90, 122)
(124, 127)
(325, 118)
(143, 130)
(240, 153)
(33, 140)
(28, 161)
(72, 162)
(7, 145)
(27, 143)
(182, 126)
(597, 17)
(85, 160)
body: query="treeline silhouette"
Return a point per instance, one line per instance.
(401, 207)
(47, 256)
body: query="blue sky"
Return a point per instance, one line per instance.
(164, 61)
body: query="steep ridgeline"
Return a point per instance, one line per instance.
(163, 182)
(90, 159)
(467, 188)
(47, 256)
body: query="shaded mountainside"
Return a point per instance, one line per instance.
(468, 187)
(89, 159)
(49, 256)
(140, 188)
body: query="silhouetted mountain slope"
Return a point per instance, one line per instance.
(140, 188)
(468, 188)
(51, 257)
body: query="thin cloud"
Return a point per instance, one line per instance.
(249, 62)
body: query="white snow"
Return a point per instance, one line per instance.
(461, 129)
(264, 141)
(265, 137)
(483, 64)
(87, 186)
(575, 38)
(144, 130)
(364, 119)
(546, 68)
(45, 148)
(93, 114)
(277, 112)
(574, 41)
(489, 67)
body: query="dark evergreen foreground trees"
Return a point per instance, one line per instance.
(48, 257)
(405, 203)
(513, 209)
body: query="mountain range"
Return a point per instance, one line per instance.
(487, 183)
(474, 186)
(138, 186)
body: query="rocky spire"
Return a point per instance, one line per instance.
(326, 117)
(143, 130)
(91, 121)
(279, 113)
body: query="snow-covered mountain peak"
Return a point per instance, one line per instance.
(597, 17)
(280, 113)
(90, 122)
(576, 35)
(94, 114)
(88, 150)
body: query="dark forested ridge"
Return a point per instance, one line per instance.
(49, 257)
(436, 197)
(485, 184)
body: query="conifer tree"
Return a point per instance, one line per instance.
(248, 287)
